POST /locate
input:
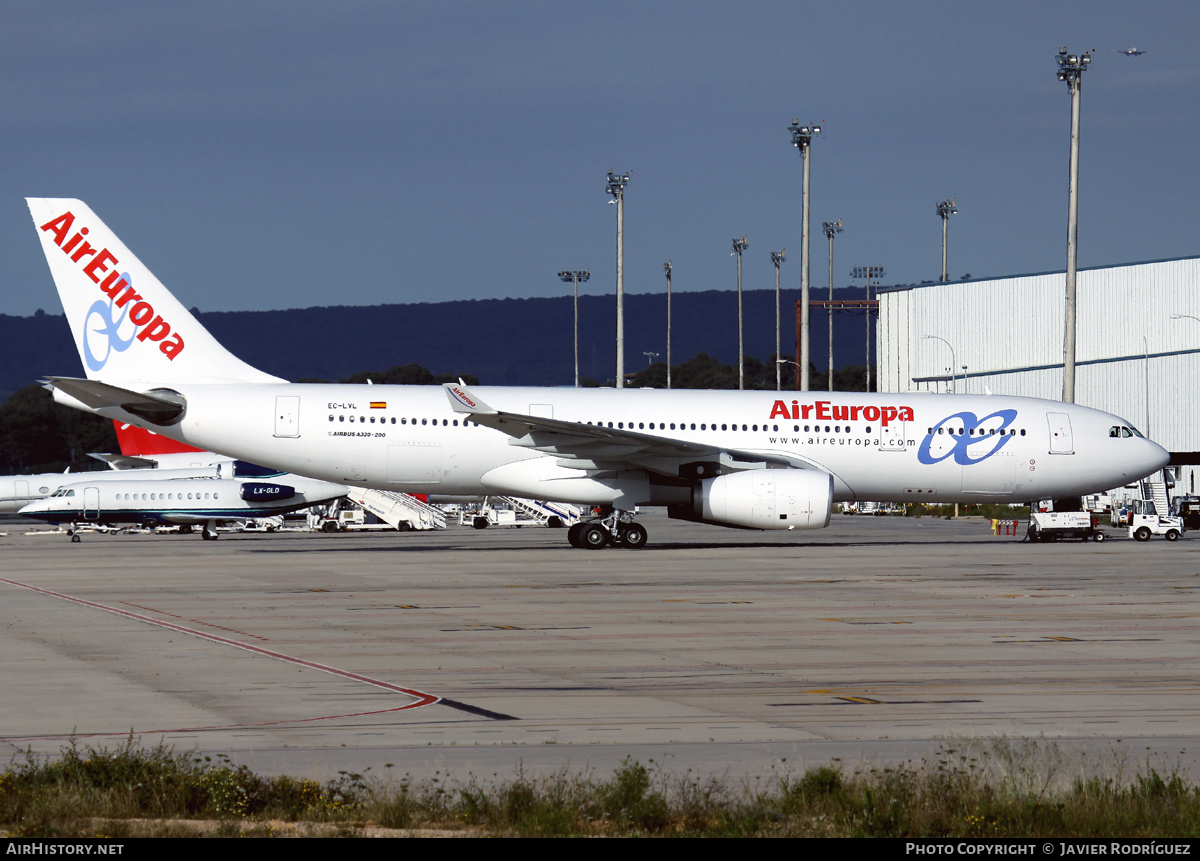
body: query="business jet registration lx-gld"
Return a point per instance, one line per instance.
(757, 460)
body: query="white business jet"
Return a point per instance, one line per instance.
(140, 449)
(757, 460)
(237, 491)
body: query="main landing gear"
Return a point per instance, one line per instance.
(616, 527)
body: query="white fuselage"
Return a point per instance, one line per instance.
(188, 500)
(17, 491)
(933, 448)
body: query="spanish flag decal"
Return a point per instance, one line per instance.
(379, 405)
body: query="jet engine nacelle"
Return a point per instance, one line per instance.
(763, 499)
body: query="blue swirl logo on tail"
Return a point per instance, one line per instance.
(983, 436)
(102, 326)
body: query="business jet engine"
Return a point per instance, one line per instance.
(761, 499)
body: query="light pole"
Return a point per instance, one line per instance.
(868, 272)
(575, 276)
(953, 359)
(945, 209)
(616, 187)
(667, 271)
(1070, 69)
(777, 257)
(650, 357)
(831, 229)
(740, 245)
(801, 139)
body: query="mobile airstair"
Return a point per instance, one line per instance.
(1156, 491)
(402, 511)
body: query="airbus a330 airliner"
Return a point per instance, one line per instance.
(758, 460)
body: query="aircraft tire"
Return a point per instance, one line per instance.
(329, 526)
(593, 536)
(480, 523)
(1142, 534)
(573, 534)
(633, 536)
(74, 539)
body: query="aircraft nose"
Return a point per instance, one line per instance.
(1155, 458)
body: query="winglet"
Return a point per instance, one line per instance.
(462, 400)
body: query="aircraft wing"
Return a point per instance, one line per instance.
(595, 448)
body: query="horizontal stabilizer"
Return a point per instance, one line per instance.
(124, 461)
(160, 408)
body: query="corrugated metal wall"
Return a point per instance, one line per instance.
(1132, 359)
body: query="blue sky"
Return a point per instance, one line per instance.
(278, 155)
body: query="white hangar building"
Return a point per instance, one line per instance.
(1137, 344)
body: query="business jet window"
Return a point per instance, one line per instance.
(331, 418)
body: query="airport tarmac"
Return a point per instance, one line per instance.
(730, 653)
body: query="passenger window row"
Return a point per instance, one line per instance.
(981, 431)
(383, 420)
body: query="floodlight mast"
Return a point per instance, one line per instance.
(575, 276)
(740, 245)
(667, 271)
(831, 229)
(1070, 69)
(868, 272)
(616, 187)
(777, 257)
(801, 139)
(945, 209)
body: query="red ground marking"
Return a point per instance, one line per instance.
(422, 698)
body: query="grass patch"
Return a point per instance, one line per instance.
(993, 789)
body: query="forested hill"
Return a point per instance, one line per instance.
(500, 341)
